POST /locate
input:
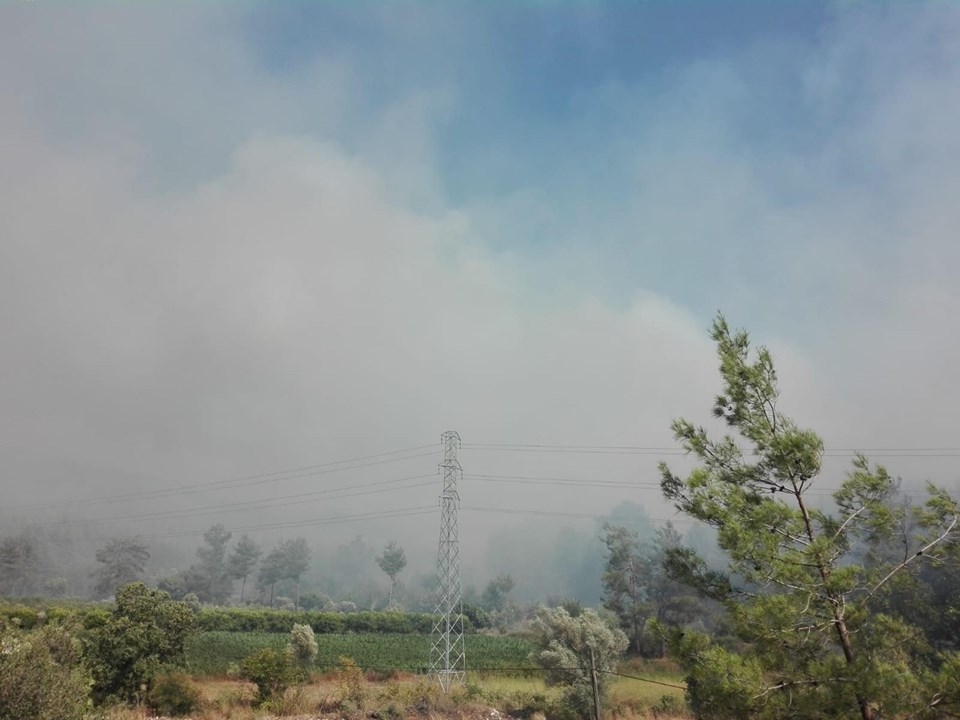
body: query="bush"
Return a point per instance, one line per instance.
(270, 670)
(282, 621)
(19, 616)
(42, 677)
(350, 686)
(146, 632)
(303, 645)
(174, 695)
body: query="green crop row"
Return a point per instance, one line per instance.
(213, 653)
(323, 623)
(237, 619)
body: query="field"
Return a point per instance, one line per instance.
(499, 675)
(211, 654)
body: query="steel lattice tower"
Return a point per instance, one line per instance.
(447, 657)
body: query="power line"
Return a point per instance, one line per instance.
(328, 520)
(642, 679)
(578, 482)
(579, 515)
(245, 481)
(652, 450)
(269, 503)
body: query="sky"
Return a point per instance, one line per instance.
(242, 238)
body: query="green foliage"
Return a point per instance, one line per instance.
(122, 561)
(174, 585)
(19, 616)
(146, 631)
(626, 578)
(476, 616)
(271, 670)
(242, 560)
(42, 676)
(174, 695)
(303, 645)
(350, 683)
(288, 560)
(569, 647)
(192, 601)
(210, 578)
(20, 566)
(494, 598)
(392, 562)
(211, 653)
(280, 621)
(802, 605)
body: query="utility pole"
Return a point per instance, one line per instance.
(447, 657)
(596, 685)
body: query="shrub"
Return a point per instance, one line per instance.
(192, 602)
(667, 706)
(350, 687)
(270, 670)
(174, 695)
(568, 646)
(303, 645)
(146, 632)
(42, 677)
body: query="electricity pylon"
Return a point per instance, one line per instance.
(447, 657)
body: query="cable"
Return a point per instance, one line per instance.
(646, 680)
(588, 516)
(541, 480)
(329, 520)
(257, 504)
(647, 450)
(263, 478)
(576, 482)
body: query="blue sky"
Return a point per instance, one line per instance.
(236, 237)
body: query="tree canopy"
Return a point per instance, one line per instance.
(392, 562)
(122, 562)
(806, 611)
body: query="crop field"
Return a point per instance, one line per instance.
(212, 653)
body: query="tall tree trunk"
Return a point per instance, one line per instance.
(243, 584)
(296, 603)
(271, 593)
(390, 597)
(839, 620)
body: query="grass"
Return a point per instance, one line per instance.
(413, 697)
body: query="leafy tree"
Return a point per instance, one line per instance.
(146, 631)
(392, 562)
(494, 597)
(20, 566)
(174, 585)
(271, 571)
(352, 567)
(56, 587)
(271, 670)
(303, 645)
(210, 578)
(42, 676)
(242, 560)
(626, 578)
(565, 645)
(287, 561)
(123, 561)
(296, 561)
(815, 646)
(674, 603)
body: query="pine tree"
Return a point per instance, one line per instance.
(806, 612)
